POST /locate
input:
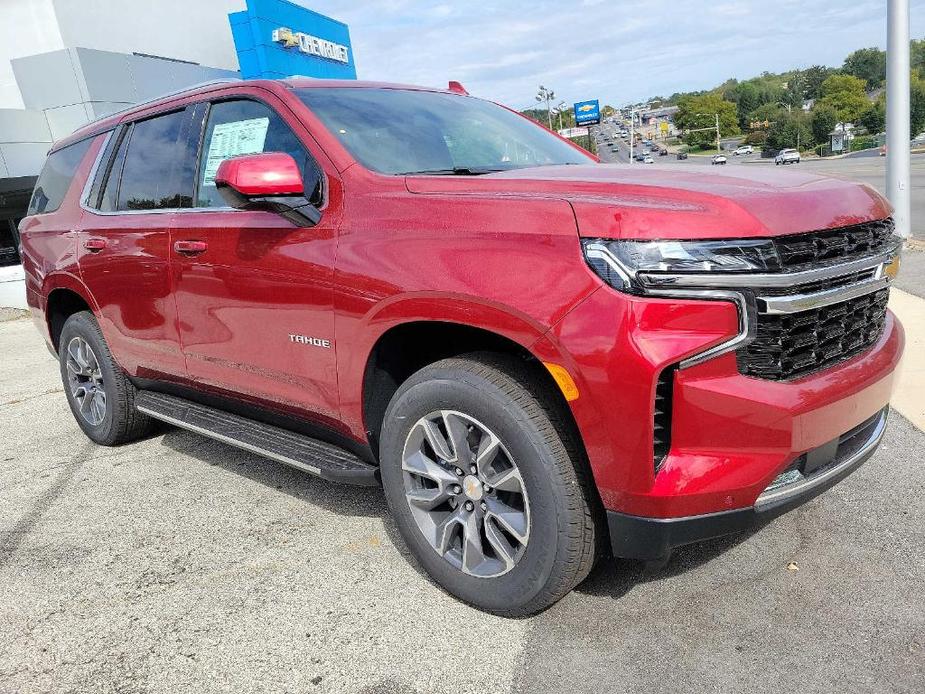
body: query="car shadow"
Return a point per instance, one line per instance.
(339, 499)
(616, 577)
(610, 577)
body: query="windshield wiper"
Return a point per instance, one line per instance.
(455, 171)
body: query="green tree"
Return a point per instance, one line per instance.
(697, 112)
(868, 64)
(874, 118)
(845, 94)
(917, 104)
(792, 130)
(822, 122)
(813, 78)
(766, 112)
(917, 50)
(747, 98)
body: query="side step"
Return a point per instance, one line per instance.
(310, 455)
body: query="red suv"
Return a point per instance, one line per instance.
(540, 358)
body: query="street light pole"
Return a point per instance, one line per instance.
(717, 133)
(897, 114)
(632, 133)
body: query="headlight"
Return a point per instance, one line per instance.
(617, 262)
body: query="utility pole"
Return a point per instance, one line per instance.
(632, 133)
(897, 114)
(717, 133)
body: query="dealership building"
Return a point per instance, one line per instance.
(64, 63)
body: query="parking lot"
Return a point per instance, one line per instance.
(181, 564)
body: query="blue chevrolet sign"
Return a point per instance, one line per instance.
(588, 112)
(278, 38)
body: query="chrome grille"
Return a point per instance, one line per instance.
(799, 251)
(797, 344)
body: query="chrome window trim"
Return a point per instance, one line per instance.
(91, 177)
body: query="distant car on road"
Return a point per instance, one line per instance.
(640, 157)
(718, 159)
(787, 156)
(648, 159)
(663, 152)
(743, 150)
(682, 155)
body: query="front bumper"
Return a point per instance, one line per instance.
(653, 539)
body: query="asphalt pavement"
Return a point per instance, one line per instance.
(179, 564)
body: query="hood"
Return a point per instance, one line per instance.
(680, 201)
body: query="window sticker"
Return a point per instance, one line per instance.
(231, 139)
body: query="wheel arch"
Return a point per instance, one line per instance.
(406, 347)
(65, 295)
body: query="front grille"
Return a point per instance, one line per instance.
(801, 251)
(796, 344)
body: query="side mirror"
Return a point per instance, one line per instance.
(270, 181)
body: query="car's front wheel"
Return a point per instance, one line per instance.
(487, 486)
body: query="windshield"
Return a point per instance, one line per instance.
(396, 131)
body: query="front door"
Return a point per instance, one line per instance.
(254, 292)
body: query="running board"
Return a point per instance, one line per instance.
(310, 455)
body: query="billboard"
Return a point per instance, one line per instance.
(588, 112)
(277, 38)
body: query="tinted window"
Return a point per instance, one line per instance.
(110, 199)
(56, 177)
(152, 175)
(102, 170)
(403, 131)
(244, 127)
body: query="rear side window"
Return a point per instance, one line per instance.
(244, 127)
(153, 168)
(56, 177)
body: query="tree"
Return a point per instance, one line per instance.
(868, 64)
(845, 94)
(792, 130)
(874, 118)
(767, 112)
(813, 78)
(917, 104)
(917, 57)
(746, 98)
(697, 112)
(822, 122)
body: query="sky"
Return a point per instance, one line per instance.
(617, 52)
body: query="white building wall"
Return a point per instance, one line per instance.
(27, 27)
(194, 30)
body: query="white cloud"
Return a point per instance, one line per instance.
(615, 52)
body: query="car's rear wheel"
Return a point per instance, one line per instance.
(100, 395)
(486, 484)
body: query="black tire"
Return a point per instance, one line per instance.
(122, 422)
(505, 394)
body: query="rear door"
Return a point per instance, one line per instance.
(145, 176)
(256, 300)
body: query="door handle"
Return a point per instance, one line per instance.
(95, 245)
(190, 247)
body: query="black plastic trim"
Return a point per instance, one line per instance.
(653, 539)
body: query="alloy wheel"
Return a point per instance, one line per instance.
(85, 380)
(466, 493)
